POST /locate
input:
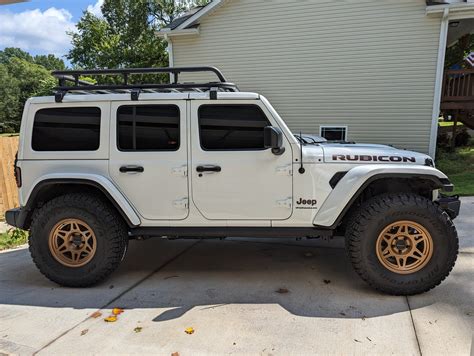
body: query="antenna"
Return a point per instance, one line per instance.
(301, 170)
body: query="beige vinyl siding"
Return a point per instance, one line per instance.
(370, 65)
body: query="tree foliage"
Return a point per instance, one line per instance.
(125, 34)
(456, 54)
(21, 77)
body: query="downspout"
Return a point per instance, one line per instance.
(443, 36)
(170, 54)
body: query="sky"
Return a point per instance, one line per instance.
(40, 26)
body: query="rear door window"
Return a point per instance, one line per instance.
(148, 128)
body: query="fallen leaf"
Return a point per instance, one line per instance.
(327, 281)
(189, 331)
(282, 290)
(111, 319)
(343, 314)
(85, 331)
(96, 315)
(117, 311)
(175, 354)
(138, 329)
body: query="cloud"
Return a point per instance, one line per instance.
(96, 8)
(37, 31)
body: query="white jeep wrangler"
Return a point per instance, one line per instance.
(99, 165)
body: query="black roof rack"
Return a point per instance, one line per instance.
(69, 82)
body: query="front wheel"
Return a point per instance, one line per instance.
(401, 244)
(77, 240)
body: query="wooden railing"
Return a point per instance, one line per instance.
(458, 85)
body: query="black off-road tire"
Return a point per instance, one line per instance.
(373, 216)
(109, 229)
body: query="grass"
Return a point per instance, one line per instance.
(9, 134)
(449, 123)
(13, 238)
(459, 167)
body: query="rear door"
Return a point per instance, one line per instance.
(148, 157)
(233, 176)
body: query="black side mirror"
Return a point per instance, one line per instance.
(273, 138)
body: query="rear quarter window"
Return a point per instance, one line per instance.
(66, 129)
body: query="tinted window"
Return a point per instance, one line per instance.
(148, 128)
(232, 127)
(66, 129)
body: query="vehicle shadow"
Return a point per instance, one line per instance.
(302, 278)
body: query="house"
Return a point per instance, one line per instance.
(367, 71)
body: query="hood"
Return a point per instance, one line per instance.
(369, 153)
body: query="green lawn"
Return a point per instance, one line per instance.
(9, 134)
(449, 123)
(459, 167)
(13, 238)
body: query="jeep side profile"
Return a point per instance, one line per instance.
(101, 164)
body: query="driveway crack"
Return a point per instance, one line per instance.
(414, 327)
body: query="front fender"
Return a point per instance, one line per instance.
(96, 180)
(356, 179)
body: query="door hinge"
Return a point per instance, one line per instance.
(285, 203)
(181, 171)
(181, 203)
(285, 170)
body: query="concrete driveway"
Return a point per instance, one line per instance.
(241, 297)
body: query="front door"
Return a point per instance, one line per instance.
(233, 176)
(148, 157)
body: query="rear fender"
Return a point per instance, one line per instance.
(104, 184)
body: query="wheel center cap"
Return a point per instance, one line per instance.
(400, 244)
(77, 240)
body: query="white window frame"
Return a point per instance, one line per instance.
(345, 127)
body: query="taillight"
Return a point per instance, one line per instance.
(17, 172)
(18, 176)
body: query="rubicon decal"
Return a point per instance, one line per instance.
(368, 158)
(306, 203)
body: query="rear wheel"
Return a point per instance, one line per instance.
(77, 240)
(401, 244)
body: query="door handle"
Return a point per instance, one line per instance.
(129, 169)
(208, 168)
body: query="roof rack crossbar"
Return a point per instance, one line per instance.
(68, 80)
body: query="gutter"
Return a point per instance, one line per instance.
(454, 9)
(173, 33)
(169, 49)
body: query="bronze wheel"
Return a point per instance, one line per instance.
(72, 243)
(404, 247)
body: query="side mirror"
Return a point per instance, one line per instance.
(273, 138)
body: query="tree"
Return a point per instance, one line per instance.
(11, 52)
(165, 11)
(9, 101)
(124, 36)
(456, 54)
(50, 62)
(20, 79)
